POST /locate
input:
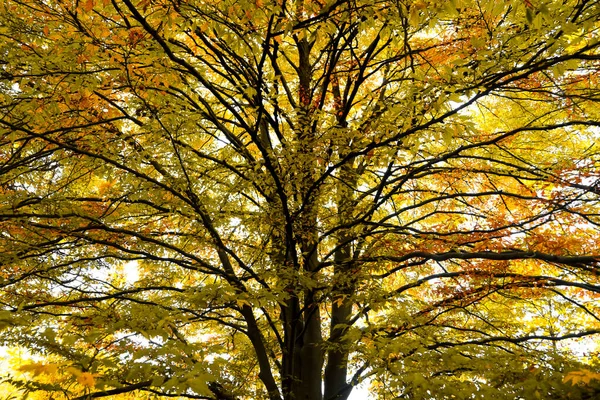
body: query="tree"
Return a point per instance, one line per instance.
(273, 199)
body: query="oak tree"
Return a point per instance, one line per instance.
(235, 199)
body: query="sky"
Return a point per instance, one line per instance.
(360, 392)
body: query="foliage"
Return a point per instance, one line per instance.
(260, 199)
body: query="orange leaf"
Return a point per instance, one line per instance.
(89, 5)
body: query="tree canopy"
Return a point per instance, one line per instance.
(273, 199)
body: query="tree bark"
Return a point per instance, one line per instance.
(341, 309)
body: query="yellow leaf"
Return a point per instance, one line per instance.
(340, 301)
(242, 302)
(581, 376)
(413, 16)
(38, 368)
(86, 379)
(199, 386)
(419, 4)
(73, 371)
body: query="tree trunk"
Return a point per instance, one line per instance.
(336, 370)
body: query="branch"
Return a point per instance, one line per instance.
(515, 340)
(120, 390)
(491, 255)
